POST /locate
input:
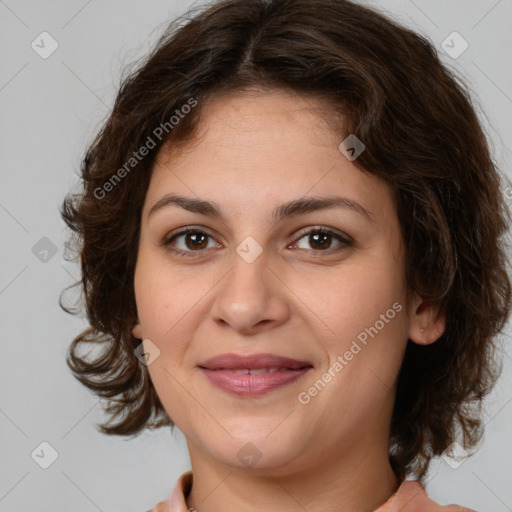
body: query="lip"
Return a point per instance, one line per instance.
(230, 372)
(252, 362)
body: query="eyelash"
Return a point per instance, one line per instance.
(344, 242)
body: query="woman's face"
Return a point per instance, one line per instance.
(275, 275)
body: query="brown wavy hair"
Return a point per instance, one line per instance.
(384, 83)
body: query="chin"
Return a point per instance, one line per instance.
(255, 452)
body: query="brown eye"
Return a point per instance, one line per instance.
(196, 240)
(321, 240)
(187, 241)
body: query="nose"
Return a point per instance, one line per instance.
(251, 298)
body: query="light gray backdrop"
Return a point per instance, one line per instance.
(52, 99)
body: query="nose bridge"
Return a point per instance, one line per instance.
(249, 261)
(248, 295)
(248, 277)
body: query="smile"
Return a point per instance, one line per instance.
(252, 375)
(248, 383)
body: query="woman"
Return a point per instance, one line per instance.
(290, 237)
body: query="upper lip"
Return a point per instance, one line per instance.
(252, 362)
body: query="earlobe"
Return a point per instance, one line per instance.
(428, 323)
(137, 331)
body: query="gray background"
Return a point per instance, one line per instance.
(50, 109)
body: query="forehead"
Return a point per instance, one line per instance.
(255, 119)
(259, 148)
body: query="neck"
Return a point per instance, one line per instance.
(351, 482)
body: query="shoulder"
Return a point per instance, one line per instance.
(412, 497)
(177, 500)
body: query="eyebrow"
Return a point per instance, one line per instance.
(299, 206)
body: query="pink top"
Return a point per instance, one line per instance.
(410, 497)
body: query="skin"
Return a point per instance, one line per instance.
(298, 299)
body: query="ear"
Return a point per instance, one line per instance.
(428, 323)
(137, 331)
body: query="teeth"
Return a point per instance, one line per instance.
(258, 371)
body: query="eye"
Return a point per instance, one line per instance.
(193, 240)
(321, 239)
(196, 240)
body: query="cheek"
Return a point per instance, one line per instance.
(162, 299)
(169, 307)
(163, 303)
(363, 306)
(344, 302)
(371, 333)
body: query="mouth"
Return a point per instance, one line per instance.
(254, 371)
(253, 362)
(252, 375)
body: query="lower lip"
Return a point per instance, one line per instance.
(252, 385)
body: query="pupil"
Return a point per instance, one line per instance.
(195, 238)
(325, 237)
(319, 239)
